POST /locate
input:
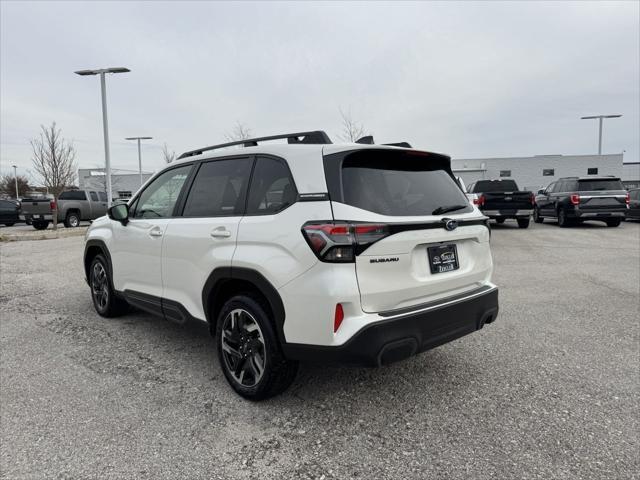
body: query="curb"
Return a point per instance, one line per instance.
(39, 235)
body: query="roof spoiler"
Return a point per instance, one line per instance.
(368, 140)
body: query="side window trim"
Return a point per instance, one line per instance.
(134, 200)
(293, 184)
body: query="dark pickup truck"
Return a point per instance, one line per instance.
(574, 199)
(502, 200)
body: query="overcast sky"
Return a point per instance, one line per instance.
(468, 79)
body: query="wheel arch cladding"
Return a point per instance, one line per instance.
(91, 249)
(225, 282)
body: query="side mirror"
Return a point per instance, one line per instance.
(119, 213)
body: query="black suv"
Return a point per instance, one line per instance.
(575, 199)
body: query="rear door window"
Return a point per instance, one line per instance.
(395, 183)
(596, 185)
(219, 189)
(94, 196)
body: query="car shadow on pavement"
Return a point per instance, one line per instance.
(189, 348)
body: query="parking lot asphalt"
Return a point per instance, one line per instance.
(550, 390)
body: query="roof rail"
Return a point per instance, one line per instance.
(314, 137)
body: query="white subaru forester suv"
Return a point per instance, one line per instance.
(356, 254)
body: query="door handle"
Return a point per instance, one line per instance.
(155, 232)
(220, 232)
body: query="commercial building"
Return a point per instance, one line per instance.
(631, 174)
(533, 173)
(124, 183)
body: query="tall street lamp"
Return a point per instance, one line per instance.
(139, 153)
(600, 118)
(15, 176)
(105, 125)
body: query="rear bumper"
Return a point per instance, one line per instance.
(398, 337)
(30, 218)
(520, 213)
(599, 213)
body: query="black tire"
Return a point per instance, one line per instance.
(9, 224)
(72, 220)
(614, 222)
(40, 225)
(105, 301)
(536, 215)
(523, 222)
(243, 352)
(563, 221)
(500, 220)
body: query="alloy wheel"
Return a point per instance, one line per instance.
(243, 347)
(100, 286)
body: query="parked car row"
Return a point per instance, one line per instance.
(568, 200)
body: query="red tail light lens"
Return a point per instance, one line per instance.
(533, 199)
(575, 199)
(627, 199)
(52, 205)
(479, 201)
(341, 242)
(338, 317)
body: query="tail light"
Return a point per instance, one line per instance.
(479, 201)
(341, 242)
(627, 198)
(338, 317)
(533, 199)
(52, 205)
(575, 199)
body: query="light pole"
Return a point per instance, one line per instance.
(600, 118)
(105, 125)
(15, 176)
(139, 153)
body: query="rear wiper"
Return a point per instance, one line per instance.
(447, 208)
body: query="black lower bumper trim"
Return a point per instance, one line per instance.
(398, 338)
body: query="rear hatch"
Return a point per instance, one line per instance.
(503, 195)
(602, 195)
(36, 206)
(402, 201)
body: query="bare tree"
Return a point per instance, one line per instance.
(54, 161)
(168, 155)
(8, 185)
(240, 132)
(351, 130)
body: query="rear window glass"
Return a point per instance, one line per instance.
(595, 185)
(396, 183)
(488, 186)
(73, 195)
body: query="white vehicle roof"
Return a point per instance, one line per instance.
(304, 159)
